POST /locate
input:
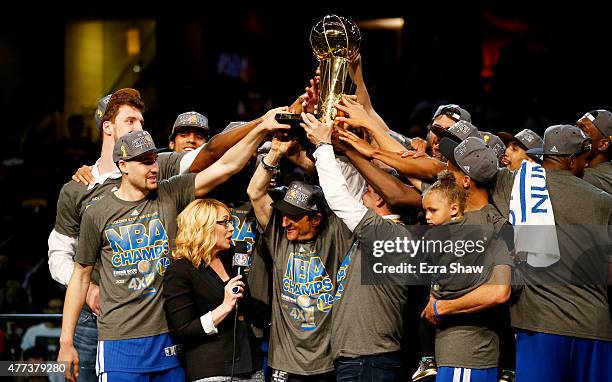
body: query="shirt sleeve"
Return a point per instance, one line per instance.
(356, 183)
(181, 188)
(188, 159)
(67, 217)
(336, 189)
(169, 164)
(91, 241)
(208, 324)
(62, 250)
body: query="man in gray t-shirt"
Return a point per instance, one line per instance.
(564, 328)
(466, 342)
(597, 124)
(131, 231)
(306, 247)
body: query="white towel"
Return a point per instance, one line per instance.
(530, 206)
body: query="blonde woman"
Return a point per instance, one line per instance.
(199, 302)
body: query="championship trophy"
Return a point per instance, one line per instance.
(335, 43)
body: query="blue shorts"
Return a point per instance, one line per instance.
(460, 374)
(175, 374)
(550, 357)
(137, 355)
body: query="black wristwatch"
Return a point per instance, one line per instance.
(267, 167)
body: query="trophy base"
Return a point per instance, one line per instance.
(296, 131)
(292, 119)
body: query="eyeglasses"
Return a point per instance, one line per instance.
(225, 222)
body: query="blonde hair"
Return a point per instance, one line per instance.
(197, 236)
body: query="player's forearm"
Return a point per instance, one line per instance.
(74, 300)
(384, 141)
(422, 168)
(238, 156)
(495, 292)
(258, 186)
(220, 143)
(392, 190)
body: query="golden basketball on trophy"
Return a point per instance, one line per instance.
(335, 43)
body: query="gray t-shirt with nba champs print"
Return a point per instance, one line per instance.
(133, 241)
(304, 284)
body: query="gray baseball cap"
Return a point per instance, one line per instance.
(300, 198)
(493, 142)
(101, 110)
(602, 119)
(562, 140)
(457, 132)
(132, 145)
(528, 139)
(454, 112)
(189, 119)
(472, 156)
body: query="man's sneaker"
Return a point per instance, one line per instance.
(427, 368)
(506, 376)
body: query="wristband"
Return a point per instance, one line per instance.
(267, 167)
(436, 309)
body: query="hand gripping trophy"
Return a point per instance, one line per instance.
(335, 43)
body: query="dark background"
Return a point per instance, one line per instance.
(511, 65)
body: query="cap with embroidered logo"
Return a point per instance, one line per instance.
(526, 138)
(300, 198)
(189, 119)
(457, 132)
(494, 142)
(562, 140)
(133, 145)
(472, 156)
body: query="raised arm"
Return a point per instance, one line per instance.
(258, 186)
(392, 190)
(363, 97)
(235, 158)
(424, 168)
(223, 141)
(331, 179)
(359, 118)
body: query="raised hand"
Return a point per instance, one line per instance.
(310, 98)
(357, 116)
(272, 112)
(316, 131)
(361, 145)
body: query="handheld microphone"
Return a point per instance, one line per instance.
(241, 255)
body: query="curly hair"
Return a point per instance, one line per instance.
(448, 188)
(196, 236)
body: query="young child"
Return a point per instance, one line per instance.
(444, 201)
